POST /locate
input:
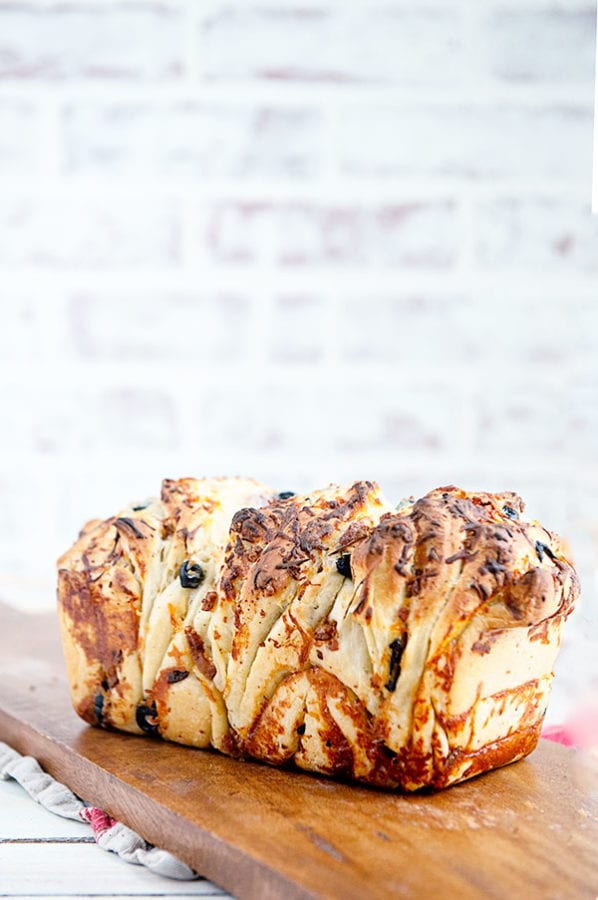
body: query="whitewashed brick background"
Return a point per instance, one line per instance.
(308, 241)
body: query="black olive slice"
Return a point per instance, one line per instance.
(510, 512)
(285, 495)
(98, 708)
(542, 549)
(177, 675)
(191, 574)
(144, 716)
(396, 652)
(343, 565)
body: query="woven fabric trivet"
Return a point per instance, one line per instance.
(110, 835)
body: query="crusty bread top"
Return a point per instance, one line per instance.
(279, 579)
(111, 578)
(456, 549)
(402, 620)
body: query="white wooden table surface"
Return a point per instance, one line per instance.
(43, 855)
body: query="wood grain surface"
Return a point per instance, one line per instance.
(530, 829)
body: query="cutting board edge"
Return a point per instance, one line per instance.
(57, 758)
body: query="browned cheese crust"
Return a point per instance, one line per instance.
(401, 648)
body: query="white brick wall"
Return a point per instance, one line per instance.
(303, 241)
(380, 43)
(532, 232)
(154, 328)
(475, 141)
(121, 40)
(180, 140)
(422, 235)
(65, 231)
(20, 136)
(554, 44)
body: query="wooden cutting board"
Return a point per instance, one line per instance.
(530, 829)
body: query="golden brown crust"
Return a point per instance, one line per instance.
(402, 648)
(272, 588)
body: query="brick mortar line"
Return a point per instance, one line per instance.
(74, 374)
(411, 5)
(114, 4)
(533, 468)
(290, 94)
(379, 282)
(318, 191)
(193, 12)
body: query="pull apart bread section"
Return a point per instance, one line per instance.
(403, 648)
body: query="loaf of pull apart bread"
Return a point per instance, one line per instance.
(402, 647)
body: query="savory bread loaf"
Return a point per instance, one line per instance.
(403, 648)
